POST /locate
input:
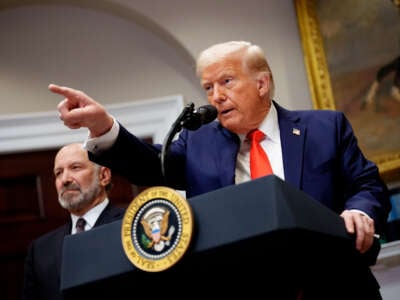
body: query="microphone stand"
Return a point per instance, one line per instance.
(175, 128)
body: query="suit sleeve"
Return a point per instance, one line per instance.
(366, 190)
(133, 158)
(29, 290)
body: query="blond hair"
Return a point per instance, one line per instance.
(252, 57)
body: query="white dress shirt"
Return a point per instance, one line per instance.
(271, 145)
(101, 143)
(90, 217)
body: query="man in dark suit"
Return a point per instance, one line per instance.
(82, 190)
(315, 151)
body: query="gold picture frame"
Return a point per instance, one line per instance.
(322, 87)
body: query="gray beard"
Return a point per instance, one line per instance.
(83, 199)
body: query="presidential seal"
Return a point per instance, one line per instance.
(157, 229)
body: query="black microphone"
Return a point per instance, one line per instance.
(202, 115)
(191, 119)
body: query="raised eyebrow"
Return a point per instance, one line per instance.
(206, 85)
(77, 165)
(203, 83)
(227, 75)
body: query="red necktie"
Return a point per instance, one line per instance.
(259, 162)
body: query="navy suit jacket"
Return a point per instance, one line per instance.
(320, 157)
(43, 261)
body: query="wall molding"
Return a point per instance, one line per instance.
(44, 130)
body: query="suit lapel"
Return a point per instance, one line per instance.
(64, 231)
(293, 135)
(109, 214)
(227, 147)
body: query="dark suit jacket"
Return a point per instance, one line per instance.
(320, 157)
(43, 261)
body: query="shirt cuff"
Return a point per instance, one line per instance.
(104, 142)
(361, 212)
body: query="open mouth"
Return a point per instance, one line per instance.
(226, 111)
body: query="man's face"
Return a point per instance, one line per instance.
(239, 97)
(76, 178)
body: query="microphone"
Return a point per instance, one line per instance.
(191, 119)
(202, 115)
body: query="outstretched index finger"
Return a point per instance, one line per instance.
(64, 91)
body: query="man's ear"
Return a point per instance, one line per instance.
(105, 176)
(263, 84)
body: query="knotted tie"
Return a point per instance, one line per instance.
(259, 162)
(80, 225)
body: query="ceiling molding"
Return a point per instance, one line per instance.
(44, 130)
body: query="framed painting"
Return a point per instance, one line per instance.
(352, 56)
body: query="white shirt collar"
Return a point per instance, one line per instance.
(270, 125)
(91, 216)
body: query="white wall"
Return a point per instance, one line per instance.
(120, 51)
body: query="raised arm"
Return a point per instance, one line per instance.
(79, 110)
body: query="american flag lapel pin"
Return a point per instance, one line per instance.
(296, 131)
